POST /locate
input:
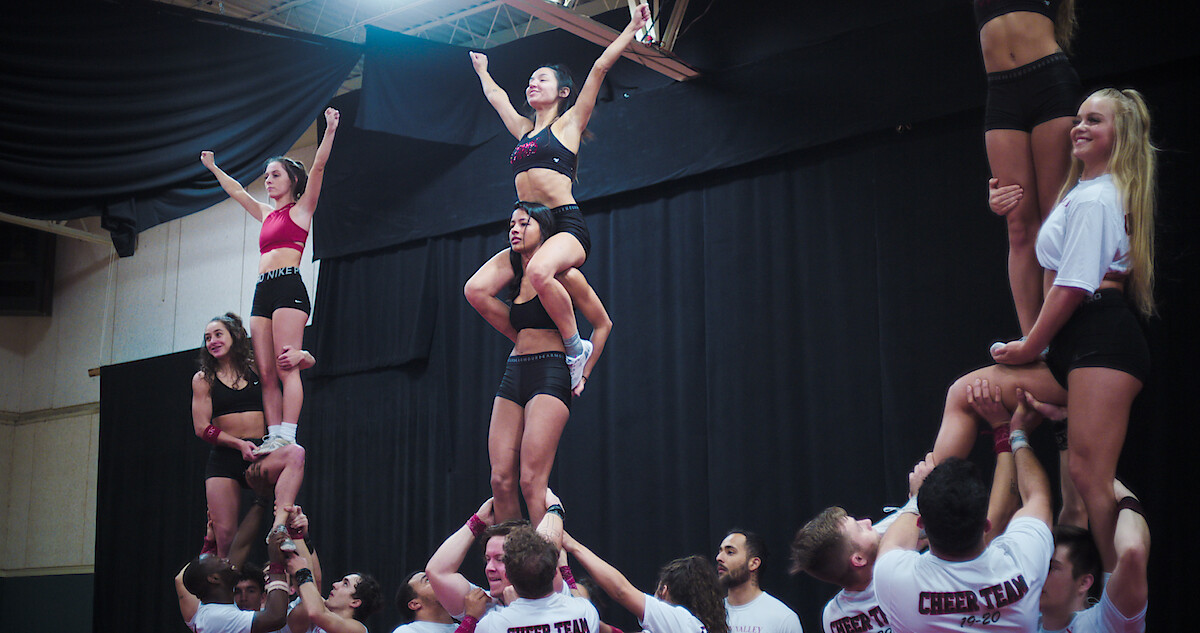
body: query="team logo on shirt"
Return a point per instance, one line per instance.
(861, 622)
(569, 626)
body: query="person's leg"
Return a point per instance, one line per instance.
(284, 469)
(545, 418)
(487, 282)
(1051, 147)
(1099, 401)
(1011, 158)
(504, 449)
(959, 427)
(559, 253)
(223, 496)
(288, 331)
(264, 361)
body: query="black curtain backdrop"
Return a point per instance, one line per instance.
(903, 64)
(784, 333)
(107, 107)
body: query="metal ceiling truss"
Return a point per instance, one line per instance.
(479, 24)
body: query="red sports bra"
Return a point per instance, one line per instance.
(280, 231)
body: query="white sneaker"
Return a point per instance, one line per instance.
(576, 363)
(288, 545)
(271, 444)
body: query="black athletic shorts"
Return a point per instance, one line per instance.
(228, 463)
(533, 374)
(569, 219)
(1022, 98)
(1103, 332)
(280, 288)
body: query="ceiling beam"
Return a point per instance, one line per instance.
(411, 4)
(653, 58)
(279, 9)
(58, 229)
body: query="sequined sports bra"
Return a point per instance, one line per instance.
(543, 150)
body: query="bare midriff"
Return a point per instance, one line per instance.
(243, 424)
(531, 341)
(1015, 39)
(278, 258)
(544, 186)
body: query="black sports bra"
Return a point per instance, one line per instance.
(530, 316)
(227, 400)
(986, 10)
(543, 150)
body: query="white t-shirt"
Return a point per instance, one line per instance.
(997, 591)
(764, 614)
(1103, 618)
(556, 613)
(418, 626)
(222, 618)
(854, 612)
(661, 617)
(1084, 236)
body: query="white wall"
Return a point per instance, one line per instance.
(106, 310)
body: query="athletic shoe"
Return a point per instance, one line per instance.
(271, 444)
(576, 363)
(1041, 356)
(288, 545)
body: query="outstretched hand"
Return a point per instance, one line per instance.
(247, 449)
(1004, 199)
(640, 17)
(1046, 409)
(1016, 352)
(485, 513)
(475, 603)
(290, 358)
(479, 61)
(297, 520)
(987, 402)
(919, 473)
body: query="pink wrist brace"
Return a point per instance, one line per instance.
(567, 576)
(1000, 437)
(467, 625)
(476, 525)
(210, 434)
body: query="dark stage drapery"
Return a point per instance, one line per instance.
(784, 332)
(107, 107)
(902, 64)
(785, 326)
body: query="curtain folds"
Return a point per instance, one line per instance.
(107, 108)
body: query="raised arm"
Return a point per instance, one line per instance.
(987, 401)
(202, 420)
(580, 113)
(585, 298)
(274, 616)
(1127, 588)
(905, 531)
(188, 603)
(248, 530)
(234, 188)
(517, 125)
(448, 585)
(307, 204)
(612, 581)
(1031, 479)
